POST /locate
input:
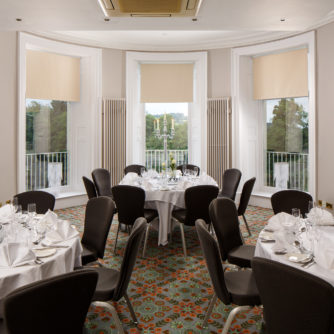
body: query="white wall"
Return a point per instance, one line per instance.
(8, 112)
(325, 112)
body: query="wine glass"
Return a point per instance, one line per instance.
(195, 171)
(295, 212)
(31, 210)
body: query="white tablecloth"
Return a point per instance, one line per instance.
(164, 202)
(264, 249)
(63, 261)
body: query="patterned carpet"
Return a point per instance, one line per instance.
(169, 293)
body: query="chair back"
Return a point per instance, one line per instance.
(44, 200)
(231, 179)
(294, 301)
(197, 200)
(129, 258)
(55, 305)
(188, 166)
(213, 262)
(90, 187)
(98, 218)
(245, 195)
(224, 218)
(134, 169)
(102, 181)
(130, 202)
(286, 200)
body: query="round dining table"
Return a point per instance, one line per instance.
(266, 249)
(67, 256)
(165, 197)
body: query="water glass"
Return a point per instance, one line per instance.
(31, 209)
(295, 212)
(310, 206)
(196, 171)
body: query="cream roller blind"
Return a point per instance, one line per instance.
(166, 82)
(52, 77)
(280, 75)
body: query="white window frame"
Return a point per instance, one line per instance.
(84, 135)
(238, 78)
(135, 114)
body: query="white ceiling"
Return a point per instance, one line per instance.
(220, 23)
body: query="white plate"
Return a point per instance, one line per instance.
(298, 257)
(267, 236)
(45, 252)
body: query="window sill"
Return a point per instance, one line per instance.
(69, 199)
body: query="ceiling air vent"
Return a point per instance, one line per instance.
(150, 8)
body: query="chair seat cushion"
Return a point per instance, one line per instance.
(150, 214)
(242, 287)
(106, 283)
(88, 255)
(180, 215)
(241, 255)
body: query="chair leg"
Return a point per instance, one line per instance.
(119, 224)
(132, 312)
(183, 240)
(209, 311)
(113, 312)
(232, 315)
(146, 237)
(249, 232)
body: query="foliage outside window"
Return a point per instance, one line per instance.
(287, 143)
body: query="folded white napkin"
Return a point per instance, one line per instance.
(50, 218)
(324, 253)
(63, 231)
(15, 254)
(151, 173)
(280, 220)
(183, 184)
(320, 216)
(130, 179)
(205, 179)
(6, 213)
(147, 185)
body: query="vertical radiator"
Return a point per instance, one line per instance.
(218, 122)
(113, 137)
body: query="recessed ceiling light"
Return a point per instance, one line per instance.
(106, 19)
(18, 19)
(283, 19)
(194, 19)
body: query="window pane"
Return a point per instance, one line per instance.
(176, 113)
(286, 164)
(47, 161)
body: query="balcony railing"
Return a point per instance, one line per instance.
(154, 158)
(37, 166)
(297, 169)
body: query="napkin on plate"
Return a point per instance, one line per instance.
(15, 254)
(63, 231)
(184, 184)
(6, 213)
(278, 221)
(147, 185)
(130, 179)
(324, 253)
(205, 179)
(320, 216)
(50, 218)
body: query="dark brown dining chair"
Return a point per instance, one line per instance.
(197, 200)
(98, 218)
(130, 202)
(244, 199)
(231, 287)
(286, 200)
(231, 180)
(44, 201)
(53, 306)
(294, 301)
(112, 284)
(134, 169)
(90, 187)
(102, 181)
(188, 166)
(224, 218)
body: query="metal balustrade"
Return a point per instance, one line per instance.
(37, 169)
(297, 166)
(155, 158)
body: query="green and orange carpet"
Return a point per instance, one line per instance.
(170, 293)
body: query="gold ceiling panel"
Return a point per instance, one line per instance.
(150, 8)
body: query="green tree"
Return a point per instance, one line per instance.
(288, 131)
(58, 123)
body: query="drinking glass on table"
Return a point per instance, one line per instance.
(31, 207)
(196, 171)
